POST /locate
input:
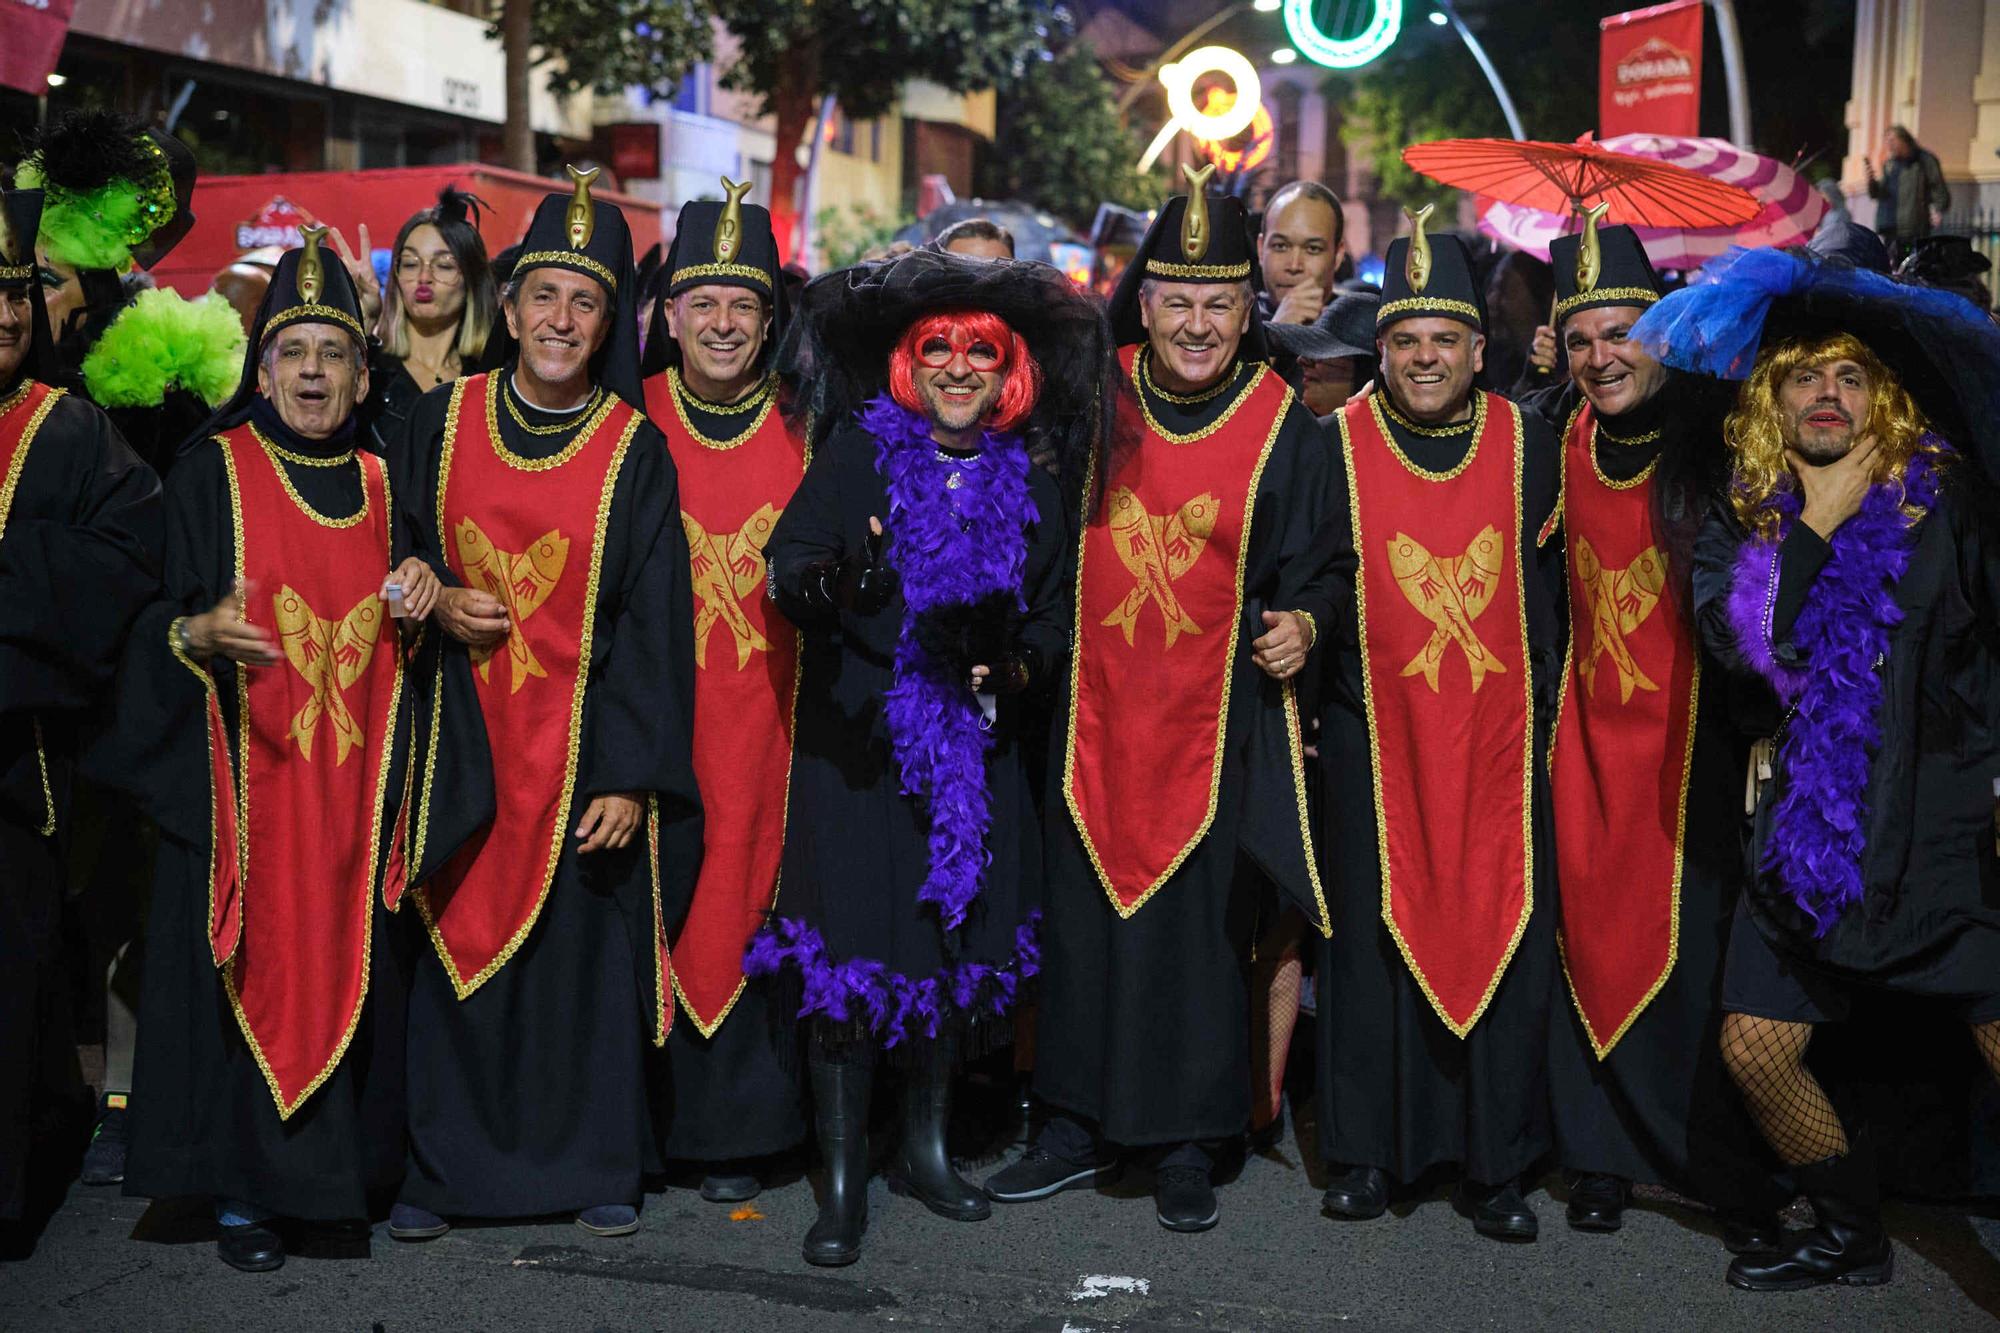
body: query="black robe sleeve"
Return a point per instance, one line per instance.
(810, 531)
(79, 560)
(1044, 637)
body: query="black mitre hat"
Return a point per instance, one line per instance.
(20, 215)
(1602, 266)
(585, 235)
(848, 321)
(1429, 276)
(310, 286)
(1196, 237)
(727, 244)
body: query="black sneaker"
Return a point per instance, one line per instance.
(104, 1160)
(1185, 1197)
(1039, 1173)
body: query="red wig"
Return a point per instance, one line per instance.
(1021, 382)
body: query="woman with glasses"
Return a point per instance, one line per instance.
(438, 311)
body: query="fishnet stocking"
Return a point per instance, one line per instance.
(1987, 1035)
(1275, 979)
(1767, 1060)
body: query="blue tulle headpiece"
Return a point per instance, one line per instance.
(1715, 326)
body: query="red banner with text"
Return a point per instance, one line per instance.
(1649, 71)
(34, 31)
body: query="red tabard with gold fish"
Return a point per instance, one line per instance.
(747, 663)
(1619, 766)
(291, 908)
(1444, 658)
(531, 533)
(1159, 610)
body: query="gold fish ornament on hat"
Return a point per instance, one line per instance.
(1195, 228)
(581, 219)
(1590, 253)
(312, 272)
(1417, 266)
(729, 231)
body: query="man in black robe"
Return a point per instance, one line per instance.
(1853, 571)
(549, 507)
(1145, 1011)
(1639, 1093)
(1415, 1074)
(79, 521)
(247, 1091)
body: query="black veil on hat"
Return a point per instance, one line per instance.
(1429, 276)
(1602, 266)
(728, 244)
(1197, 237)
(585, 235)
(311, 286)
(20, 214)
(848, 321)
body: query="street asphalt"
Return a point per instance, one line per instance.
(1083, 1261)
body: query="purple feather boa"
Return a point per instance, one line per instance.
(891, 1005)
(954, 544)
(1819, 825)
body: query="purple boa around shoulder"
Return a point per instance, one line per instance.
(1818, 827)
(960, 535)
(891, 1005)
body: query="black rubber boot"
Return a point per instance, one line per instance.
(841, 1075)
(1847, 1245)
(923, 1168)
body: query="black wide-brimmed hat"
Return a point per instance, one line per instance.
(1196, 237)
(717, 243)
(1602, 266)
(848, 321)
(1345, 327)
(1429, 276)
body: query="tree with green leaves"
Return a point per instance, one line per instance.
(1070, 150)
(604, 45)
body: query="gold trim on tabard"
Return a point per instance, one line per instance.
(8, 486)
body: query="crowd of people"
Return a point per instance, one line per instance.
(566, 720)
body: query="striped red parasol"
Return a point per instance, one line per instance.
(1566, 178)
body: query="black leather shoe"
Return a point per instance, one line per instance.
(923, 1169)
(1848, 1244)
(1359, 1194)
(1597, 1202)
(841, 1077)
(1039, 1173)
(251, 1248)
(730, 1183)
(1752, 1233)
(1185, 1198)
(1497, 1211)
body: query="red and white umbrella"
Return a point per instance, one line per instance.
(1791, 208)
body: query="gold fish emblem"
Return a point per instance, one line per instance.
(1620, 601)
(521, 582)
(1195, 229)
(1417, 266)
(1156, 552)
(728, 567)
(312, 276)
(729, 231)
(329, 656)
(1451, 593)
(580, 219)
(1589, 251)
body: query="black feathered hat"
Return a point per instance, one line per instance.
(848, 321)
(20, 214)
(1602, 266)
(726, 244)
(1199, 238)
(118, 192)
(1429, 276)
(589, 236)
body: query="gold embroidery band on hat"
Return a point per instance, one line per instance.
(311, 312)
(1426, 305)
(567, 259)
(16, 272)
(698, 272)
(1199, 272)
(1605, 296)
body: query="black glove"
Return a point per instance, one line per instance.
(965, 635)
(863, 584)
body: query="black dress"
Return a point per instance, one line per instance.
(203, 1121)
(77, 564)
(529, 1096)
(1144, 1022)
(856, 848)
(1397, 1090)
